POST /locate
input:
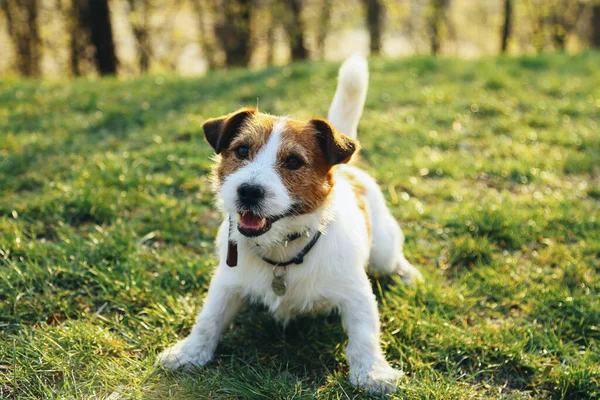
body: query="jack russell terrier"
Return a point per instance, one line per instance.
(302, 229)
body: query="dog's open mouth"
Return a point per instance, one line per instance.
(251, 224)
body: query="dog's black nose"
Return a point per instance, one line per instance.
(250, 195)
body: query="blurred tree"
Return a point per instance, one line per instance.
(271, 41)
(92, 25)
(22, 24)
(507, 25)
(596, 25)
(167, 43)
(552, 21)
(414, 21)
(563, 18)
(323, 26)
(437, 17)
(204, 11)
(139, 18)
(375, 12)
(295, 30)
(276, 12)
(233, 30)
(77, 38)
(98, 21)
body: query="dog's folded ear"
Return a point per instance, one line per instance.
(220, 131)
(337, 148)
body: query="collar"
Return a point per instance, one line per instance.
(232, 254)
(298, 258)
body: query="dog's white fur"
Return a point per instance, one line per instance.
(349, 99)
(262, 171)
(333, 275)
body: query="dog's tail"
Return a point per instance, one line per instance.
(349, 100)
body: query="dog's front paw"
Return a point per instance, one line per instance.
(380, 379)
(185, 355)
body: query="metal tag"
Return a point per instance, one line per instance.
(278, 285)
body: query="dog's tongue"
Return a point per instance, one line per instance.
(249, 220)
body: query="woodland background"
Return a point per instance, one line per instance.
(56, 38)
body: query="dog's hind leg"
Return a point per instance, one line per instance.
(386, 256)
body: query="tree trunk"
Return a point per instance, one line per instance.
(142, 37)
(100, 27)
(296, 31)
(596, 26)
(233, 31)
(22, 21)
(78, 38)
(74, 55)
(375, 12)
(271, 43)
(435, 39)
(438, 8)
(92, 25)
(560, 40)
(206, 41)
(139, 18)
(506, 28)
(557, 33)
(323, 27)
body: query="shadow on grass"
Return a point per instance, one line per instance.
(261, 358)
(309, 346)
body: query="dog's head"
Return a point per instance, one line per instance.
(271, 168)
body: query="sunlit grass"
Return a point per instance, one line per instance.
(491, 166)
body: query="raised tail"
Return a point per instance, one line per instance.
(349, 99)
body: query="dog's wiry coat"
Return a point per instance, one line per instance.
(359, 234)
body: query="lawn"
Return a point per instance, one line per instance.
(491, 166)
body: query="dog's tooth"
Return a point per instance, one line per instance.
(307, 234)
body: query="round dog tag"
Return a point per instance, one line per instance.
(278, 285)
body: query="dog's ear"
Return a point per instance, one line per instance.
(220, 131)
(337, 148)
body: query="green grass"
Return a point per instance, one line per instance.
(491, 166)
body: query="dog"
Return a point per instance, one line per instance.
(302, 229)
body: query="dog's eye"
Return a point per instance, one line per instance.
(242, 152)
(293, 162)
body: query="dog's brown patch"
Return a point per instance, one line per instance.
(254, 133)
(360, 193)
(314, 142)
(311, 184)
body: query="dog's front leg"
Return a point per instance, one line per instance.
(368, 366)
(220, 307)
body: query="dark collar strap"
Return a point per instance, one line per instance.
(299, 258)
